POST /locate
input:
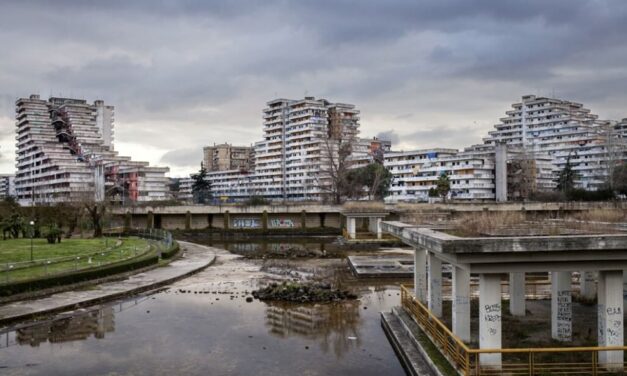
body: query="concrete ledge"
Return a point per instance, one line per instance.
(198, 258)
(412, 358)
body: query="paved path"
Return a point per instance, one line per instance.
(196, 257)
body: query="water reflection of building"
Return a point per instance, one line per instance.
(335, 326)
(76, 328)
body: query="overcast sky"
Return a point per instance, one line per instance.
(183, 74)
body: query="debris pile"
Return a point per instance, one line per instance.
(302, 293)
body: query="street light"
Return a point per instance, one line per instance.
(32, 230)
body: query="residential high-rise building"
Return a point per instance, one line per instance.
(65, 153)
(532, 144)
(224, 157)
(563, 131)
(301, 138)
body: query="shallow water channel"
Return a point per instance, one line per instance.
(203, 325)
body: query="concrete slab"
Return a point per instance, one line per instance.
(387, 266)
(196, 258)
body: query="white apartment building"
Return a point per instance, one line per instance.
(64, 153)
(7, 185)
(300, 137)
(471, 173)
(563, 130)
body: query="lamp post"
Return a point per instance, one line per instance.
(32, 230)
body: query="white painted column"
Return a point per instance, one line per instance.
(379, 231)
(420, 274)
(351, 227)
(461, 303)
(561, 306)
(587, 286)
(490, 318)
(517, 305)
(434, 285)
(610, 319)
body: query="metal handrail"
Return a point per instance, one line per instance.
(466, 360)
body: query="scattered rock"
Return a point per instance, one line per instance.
(249, 299)
(302, 293)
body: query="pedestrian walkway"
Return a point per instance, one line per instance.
(196, 257)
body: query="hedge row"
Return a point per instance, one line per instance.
(170, 252)
(79, 276)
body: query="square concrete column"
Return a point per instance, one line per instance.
(490, 318)
(517, 305)
(434, 285)
(587, 286)
(561, 306)
(610, 318)
(351, 227)
(461, 303)
(420, 274)
(379, 231)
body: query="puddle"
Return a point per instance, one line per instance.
(204, 325)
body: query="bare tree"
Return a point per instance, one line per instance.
(95, 210)
(334, 178)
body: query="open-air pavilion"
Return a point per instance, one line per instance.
(600, 258)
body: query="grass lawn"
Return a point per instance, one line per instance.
(84, 253)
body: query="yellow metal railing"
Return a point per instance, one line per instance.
(524, 361)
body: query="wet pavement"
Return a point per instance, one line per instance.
(204, 325)
(196, 257)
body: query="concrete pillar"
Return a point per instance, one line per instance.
(610, 318)
(461, 303)
(420, 274)
(434, 285)
(351, 227)
(127, 221)
(150, 220)
(490, 318)
(561, 306)
(188, 220)
(227, 220)
(303, 219)
(264, 220)
(517, 294)
(500, 171)
(587, 286)
(379, 231)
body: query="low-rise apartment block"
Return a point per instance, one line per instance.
(7, 185)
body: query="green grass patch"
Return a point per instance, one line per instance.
(65, 257)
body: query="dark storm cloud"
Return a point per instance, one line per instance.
(186, 73)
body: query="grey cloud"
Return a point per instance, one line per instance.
(197, 72)
(182, 159)
(389, 136)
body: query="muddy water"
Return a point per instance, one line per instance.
(204, 326)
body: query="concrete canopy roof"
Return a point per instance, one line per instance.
(510, 254)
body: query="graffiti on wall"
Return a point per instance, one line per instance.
(246, 223)
(281, 223)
